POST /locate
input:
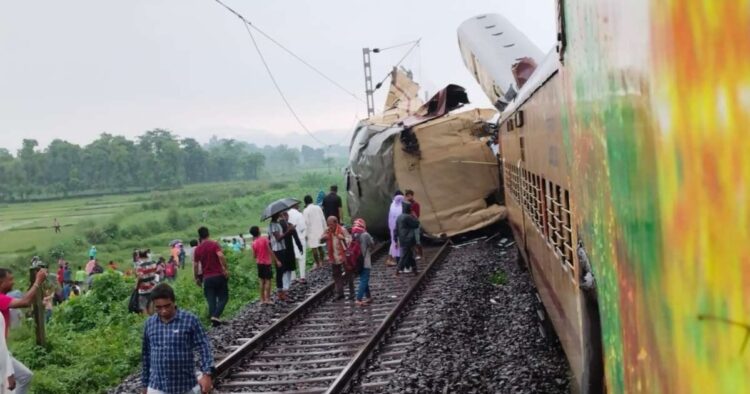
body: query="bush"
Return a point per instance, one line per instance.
(197, 202)
(96, 236)
(112, 230)
(277, 185)
(153, 227)
(154, 205)
(313, 180)
(177, 220)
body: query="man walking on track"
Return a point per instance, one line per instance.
(170, 339)
(336, 238)
(209, 256)
(298, 220)
(332, 204)
(315, 226)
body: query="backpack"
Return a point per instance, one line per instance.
(98, 269)
(354, 259)
(170, 271)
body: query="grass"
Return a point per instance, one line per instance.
(93, 341)
(499, 278)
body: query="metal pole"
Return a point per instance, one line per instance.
(368, 82)
(38, 308)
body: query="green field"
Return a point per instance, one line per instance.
(27, 227)
(117, 224)
(93, 341)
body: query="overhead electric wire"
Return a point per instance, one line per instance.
(416, 44)
(395, 46)
(271, 76)
(289, 51)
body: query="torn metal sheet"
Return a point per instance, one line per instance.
(424, 151)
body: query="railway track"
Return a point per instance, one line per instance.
(323, 344)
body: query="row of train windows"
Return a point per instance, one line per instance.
(548, 206)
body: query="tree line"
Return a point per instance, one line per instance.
(155, 160)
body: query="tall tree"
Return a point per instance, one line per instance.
(195, 161)
(62, 164)
(161, 153)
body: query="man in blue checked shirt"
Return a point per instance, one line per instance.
(170, 339)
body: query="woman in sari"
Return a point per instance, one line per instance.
(393, 213)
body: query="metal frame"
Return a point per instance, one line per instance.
(368, 82)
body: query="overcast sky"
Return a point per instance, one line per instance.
(74, 69)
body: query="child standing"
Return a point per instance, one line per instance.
(263, 255)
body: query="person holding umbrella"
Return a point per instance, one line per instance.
(277, 233)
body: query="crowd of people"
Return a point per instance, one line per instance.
(172, 335)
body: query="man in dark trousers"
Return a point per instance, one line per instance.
(332, 204)
(406, 224)
(171, 338)
(415, 210)
(215, 275)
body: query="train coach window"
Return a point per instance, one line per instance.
(522, 180)
(523, 153)
(567, 231)
(553, 218)
(538, 196)
(543, 211)
(558, 222)
(527, 192)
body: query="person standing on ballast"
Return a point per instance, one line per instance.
(215, 275)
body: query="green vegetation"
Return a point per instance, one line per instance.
(92, 341)
(157, 160)
(499, 278)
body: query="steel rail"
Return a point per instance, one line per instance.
(263, 337)
(351, 369)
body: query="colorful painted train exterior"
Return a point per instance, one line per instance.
(626, 157)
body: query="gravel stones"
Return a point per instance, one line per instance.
(246, 323)
(475, 345)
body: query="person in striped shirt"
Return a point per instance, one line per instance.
(145, 271)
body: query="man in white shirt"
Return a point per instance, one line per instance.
(315, 226)
(298, 220)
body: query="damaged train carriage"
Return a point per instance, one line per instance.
(444, 157)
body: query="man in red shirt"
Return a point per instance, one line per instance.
(215, 275)
(409, 196)
(415, 210)
(21, 378)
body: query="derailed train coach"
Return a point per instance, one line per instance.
(443, 156)
(627, 178)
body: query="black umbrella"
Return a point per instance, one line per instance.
(278, 206)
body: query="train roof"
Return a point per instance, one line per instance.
(549, 66)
